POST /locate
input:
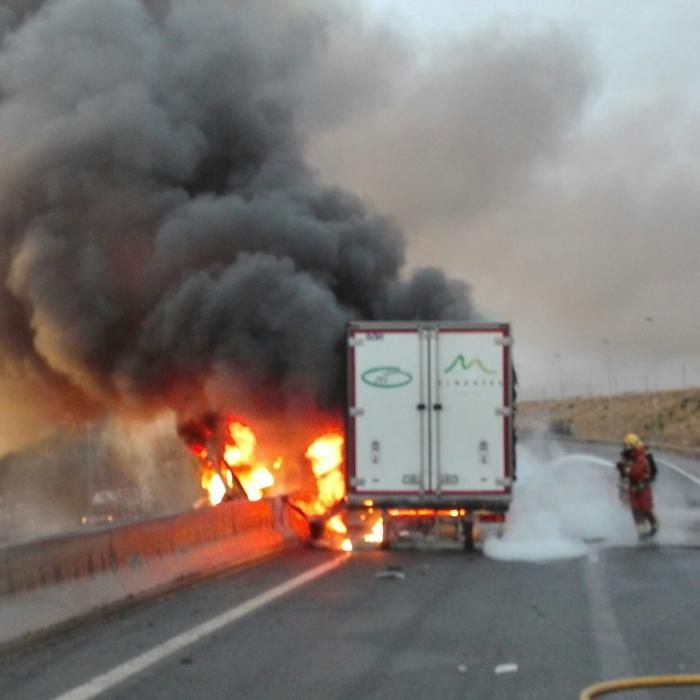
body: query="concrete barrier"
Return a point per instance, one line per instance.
(52, 581)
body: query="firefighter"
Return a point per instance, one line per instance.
(636, 477)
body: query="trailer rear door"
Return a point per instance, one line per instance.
(388, 411)
(470, 420)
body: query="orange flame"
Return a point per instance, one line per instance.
(325, 453)
(376, 534)
(326, 457)
(242, 449)
(336, 524)
(230, 467)
(236, 464)
(255, 481)
(213, 484)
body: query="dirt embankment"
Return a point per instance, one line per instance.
(599, 418)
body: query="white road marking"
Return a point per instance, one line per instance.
(611, 650)
(139, 663)
(676, 468)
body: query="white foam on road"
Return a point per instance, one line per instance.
(120, 673)
(560, 506)
(567, 506)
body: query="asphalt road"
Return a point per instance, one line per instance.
(456, 626)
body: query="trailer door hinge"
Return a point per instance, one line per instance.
(410, 478)
(354, 341)
(450, 479)
(505, 411)
(357, 481)
(504, 481)
(504, 340)
(354, 411)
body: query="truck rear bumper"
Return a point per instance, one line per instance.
(495, 503)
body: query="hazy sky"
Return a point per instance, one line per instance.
(547, 153)
(160, 160)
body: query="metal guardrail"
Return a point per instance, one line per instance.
(658, 446)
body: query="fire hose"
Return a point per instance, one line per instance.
(620, 684)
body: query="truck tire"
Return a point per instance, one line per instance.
(316, 526)
(386, 538)
(468, 530)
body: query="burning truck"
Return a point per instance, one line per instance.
(430, 427)
(428, 445)
(183, 255)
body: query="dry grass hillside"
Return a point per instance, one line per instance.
(597, 418)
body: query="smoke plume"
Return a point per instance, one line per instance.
(159, 223)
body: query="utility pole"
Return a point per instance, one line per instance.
(655, 376)
(611, 433)
(90, 462)
(557, 356)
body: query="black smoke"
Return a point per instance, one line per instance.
(159, 225)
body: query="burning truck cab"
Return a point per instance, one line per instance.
(233, 467)
(430, 441)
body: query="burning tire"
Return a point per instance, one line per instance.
(469, 532)
(316, 527)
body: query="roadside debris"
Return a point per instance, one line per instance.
(392, 572)
(506, 668)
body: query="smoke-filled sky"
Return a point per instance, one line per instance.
(202, 194)
(165, 244)
(548, 152)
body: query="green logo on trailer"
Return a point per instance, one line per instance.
(387, 377)
(460, 362)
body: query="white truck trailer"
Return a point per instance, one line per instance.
(430, 422)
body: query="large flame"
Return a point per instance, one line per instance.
(214, 485)
(230, 468)
(376, 534)
(336, 526)
(254, 481)
(229, 464)
(241, 447)
(227, 450)
(326, 457)
(239, 456)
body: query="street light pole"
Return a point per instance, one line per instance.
(561, 376)
(655, 376)
(611, 433)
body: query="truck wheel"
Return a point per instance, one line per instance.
(468, 530)
(386, 537)
(316, 526)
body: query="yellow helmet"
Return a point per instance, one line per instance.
(632, 440)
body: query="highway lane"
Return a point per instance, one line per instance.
(444, 630)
